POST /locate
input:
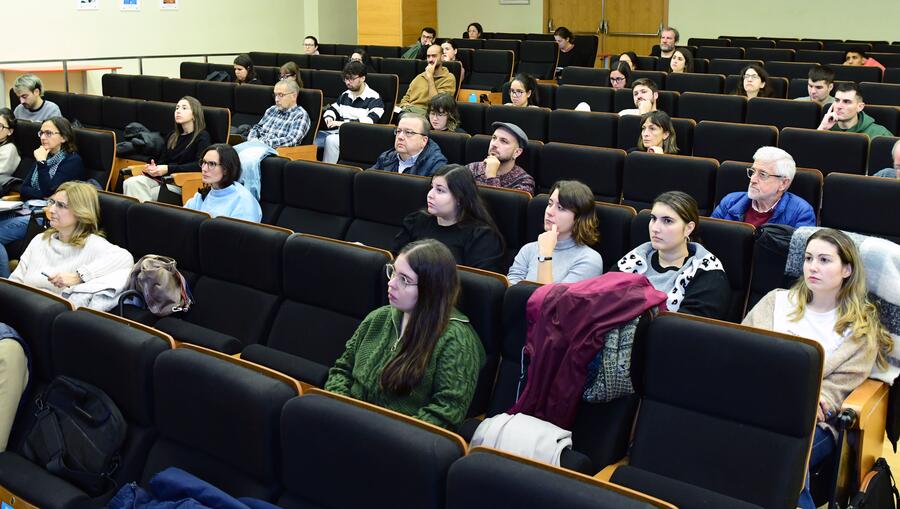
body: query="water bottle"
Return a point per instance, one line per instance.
(473, 97)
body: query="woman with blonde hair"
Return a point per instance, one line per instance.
(829, 305)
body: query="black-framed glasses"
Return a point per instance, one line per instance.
(513, 91)
(752, 77)
(279, 95)
(406, 132)
(620, 78)
(7, 127)
(286, 76)
(762, 175)
(212, 165)
(391, 273)
(48, 134)
(58, 204)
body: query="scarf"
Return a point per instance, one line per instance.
(52, 163)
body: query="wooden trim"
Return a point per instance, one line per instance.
(189, 182)
(385, 252)
(487, 273)
(458, 440)
(12, 197)
(617, 206)
(494, 98)
(131, 323)
(356, 169)
(14, 500)
(293, 383)
(271, 227)
(299, 152)
(45, 293)
(120, 163)
(176, 207)
(870, 402)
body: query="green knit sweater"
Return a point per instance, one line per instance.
(447, 387)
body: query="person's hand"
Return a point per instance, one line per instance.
(547, 241)
(644, 106)
(821, 412)
(491, 165)
(829, 120)
(429, 71)
(40, 154)
(329, 122)
(64, 279)
(656, 149)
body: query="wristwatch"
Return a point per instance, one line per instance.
(544, 258)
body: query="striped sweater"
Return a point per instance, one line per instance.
(366, 108)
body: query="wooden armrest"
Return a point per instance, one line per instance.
(190, 182)
(13, 500)
(12, 197)
(300, 152)
(607, 472)
(494, 98)
(235, 139)
(870, 402)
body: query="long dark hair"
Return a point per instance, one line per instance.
(228, 161)
(686, 207)
(199, 122)
(662, 120)
(66, 131)
(623, 68)
(688, 58)
(765, 91)
(438, 286)
(578, 198)
(244, 61)
(530, 85)
(469, 206)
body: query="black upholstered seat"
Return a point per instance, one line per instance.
(826, 151)
(726, 140)
(649, 175)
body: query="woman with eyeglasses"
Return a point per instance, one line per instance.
(222, 194)
(523, 91)
(71, 257)
(752, 82)
(9, 154)
(418, 356)
(360, 55)
(620, 75)
(693, 279)
(456, 216)
(443, 114)
(291, 70)
(55, 161)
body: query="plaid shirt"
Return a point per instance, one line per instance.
(281, 128)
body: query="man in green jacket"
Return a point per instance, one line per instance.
(846, 114)
(417, 50)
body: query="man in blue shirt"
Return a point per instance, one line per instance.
(413, 153)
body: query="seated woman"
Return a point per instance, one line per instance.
(310, 45)
(291, 70)
(630, 58)
(620, 76)
(682, 61)
(568, 54)
(222, 194)
(418, 356)
(474, 31)
(523, 91)
(692, 277)
(752, 82)
(657, 134)
(360, 55)
(448, 54)
(562, 254)
(829, 305)
(181, 153)
(9, 154)
(56, 161)
(456, 216)
(443, 113)
(71, 257)
(244, 72)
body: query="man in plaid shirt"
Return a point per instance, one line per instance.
(285, 124)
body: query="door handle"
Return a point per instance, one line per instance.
(550, 25)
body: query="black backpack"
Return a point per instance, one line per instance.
(878, 490)
(77, 434)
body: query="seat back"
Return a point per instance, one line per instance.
(311, 101)
(721, 108)
(506, 390)
(472, 117)
(386, 85)
(113, 85)
(716, 52)
(826, 150)
(155, 228)
(327, 62)
(193, 70)
(216, 93)
(649, 175)
(768, 54)
(729, 66)
(318, 198)
(452, 145)
(880, 156)
(507, 207)
(146, 87)
(490, 69)
(856, 73)
(726, 140)
(98, 153)
(361, 144)
(599, 98)
(531, 120)
(789, 70)
(114, 216)
(587, 76)
(405, 70)
(251, 103)
(538, 58)
(887, 116)
(583, 128)
(783, 113)
(696, 82)
(271, 192)
(623, 99)
(875, 214)
(264, 58)
(174, 89)
(598, 168)
(380, 202)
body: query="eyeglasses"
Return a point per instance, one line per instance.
(212, 165)
(513, 91)
(752, 77)
(348, 79)
(309, 45)
(286, 76)
(406, 132)
(617, 79)
(48, 134)
(7, 127)
(279, 95)
(58, 204)
(438, 114)
(391, 272)
(763, 176)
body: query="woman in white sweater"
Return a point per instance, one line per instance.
(72, 258)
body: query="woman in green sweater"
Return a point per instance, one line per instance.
(419, 356)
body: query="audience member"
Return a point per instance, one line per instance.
(291, 71)
(182, 151)
(523, 91)
(456, 216)
(657, 134)
(310, 45)
(222, 194)
(829, 305)
(9, 154)
(682, 61)
(630, 58)
(752, 82)
(449, 51)
(860, 58)
(620, 76)
(693, 279)
(418, 356)
(443, 113)
(846, 113)
(32, 106)
(645, 93)
(359, 103)
(499, 168)
(71, 258)
(361, 55)
(568, 53)
(474, 31)
(418, 50)
(433, 80)
(895, 171)
(819, 84)
(414, 153)
(244, 71)
(767, 199)
(15, 366)
(668, 38)
(562, 253)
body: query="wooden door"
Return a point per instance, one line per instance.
(632, 25)
(579, 16)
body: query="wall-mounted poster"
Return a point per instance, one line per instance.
(168, 5)
(129, 5)
(87, 5)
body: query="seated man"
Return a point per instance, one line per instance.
(895, 171)
(846, 114)
(417, 50)
(767, 199)
(859, 57)
(359, 103)
(413, 153)
(819, 85)
(433, 80)
(32, 106)
(283, 125)
(645, 94)
(499, 168)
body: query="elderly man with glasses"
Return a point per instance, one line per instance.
(413, 153)
(766, 199)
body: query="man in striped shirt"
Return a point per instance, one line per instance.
(359, 103)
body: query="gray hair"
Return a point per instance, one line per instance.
(290, 83)
(29, 82)
(895, 147)
(426, 125)
(673, 30)
(784, 163)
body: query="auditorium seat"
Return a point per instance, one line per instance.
(701, 41)
(387, 86)
(531, 120)
(647, 62)
(888, 116)
(630, 132)
(721, 108)
(193, 70)
(599, 98)
(880, 156)
(789, 70)
(148, 88)
(114, 216)
(314, 320)
(695, 82)
(588, 128)
(711, 52)
(271, 192)
(380, 202)
(887, 94)
(504, 44)
(113, 85)
(848, 45)
(732, 177)
(648, 175)
(726, 140)
(302, 60)
(251, 103)
(687, 435)
(538, 58)
(827, 151)
(327, 62)
(770, 54)
(586, 76)
(777, 84)
(783, 113)
(829, 58)
(404, 69)
(798, 45)
(598, 168)
(330, 82)
(860, 204)
(856, 73)
(753, 43)
(452, 145)
(318, 198)
(506, 387)
(262, 58)
(361, 144)
(383, 51)
(475, 44)
(623, 99)
(728, 66)
(490, 69)
(658, 77)
(174, 89)
(116, 113)
(88, 110)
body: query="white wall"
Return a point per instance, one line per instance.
(454, 16)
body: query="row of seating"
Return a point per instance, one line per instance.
(835, 57)
(798, 44)
(294, 442)
(824, 150)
